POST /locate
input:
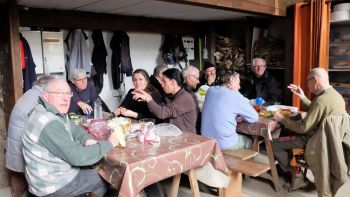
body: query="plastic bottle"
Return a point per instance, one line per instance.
(98, 109)
(258, 103)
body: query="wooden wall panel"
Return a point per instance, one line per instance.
(88, 20)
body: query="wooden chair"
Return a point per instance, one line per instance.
(298, 165)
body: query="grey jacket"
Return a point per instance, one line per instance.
(78, 54)
(328, 154)
(19, 115)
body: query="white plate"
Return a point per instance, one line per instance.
(273, 108)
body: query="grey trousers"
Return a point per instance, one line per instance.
(87, 180)
(280, 150)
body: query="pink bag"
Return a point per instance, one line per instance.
(98, 128)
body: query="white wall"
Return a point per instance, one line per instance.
(144, 53)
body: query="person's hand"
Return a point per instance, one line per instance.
(117, 111)
(239, 119)
(297, 90)
(211, 79)
(302, 114)
(87, 109)
(90, 142)
(128, 113)
(113, 138)
(278, 116)
(141, 95)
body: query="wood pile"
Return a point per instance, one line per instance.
(228, 54)
(271, 49)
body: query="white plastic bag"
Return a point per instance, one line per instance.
(147, 134)
(167, 129)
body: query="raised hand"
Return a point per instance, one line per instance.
(141, 95)
(297, 90)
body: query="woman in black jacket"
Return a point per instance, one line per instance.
(135, 109)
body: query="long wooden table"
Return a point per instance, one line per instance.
(138, 165)
(263, 128)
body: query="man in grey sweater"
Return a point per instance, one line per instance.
(55, 149)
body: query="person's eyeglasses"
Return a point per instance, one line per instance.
(61, 94)
(83, 79)
(310, 78)
(259, 66)
(197, 78)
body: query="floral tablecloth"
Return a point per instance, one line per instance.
(138, 165)
(264, 127)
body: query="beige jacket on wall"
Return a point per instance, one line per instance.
(328, 154)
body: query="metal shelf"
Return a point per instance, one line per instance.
(339, 69)
(342, 22)
(339, 44)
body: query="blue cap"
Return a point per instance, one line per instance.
(259, 101)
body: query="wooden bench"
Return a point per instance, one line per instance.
(243, 154)
(240, 165)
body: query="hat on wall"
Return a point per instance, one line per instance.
(207, 65)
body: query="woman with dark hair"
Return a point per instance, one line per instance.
(132, 108)
(179, 109)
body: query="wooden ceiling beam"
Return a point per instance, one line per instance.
(37, 17)
(265, 7)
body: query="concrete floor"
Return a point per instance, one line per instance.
(252, 187)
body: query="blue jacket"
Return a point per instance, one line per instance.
(221, 107)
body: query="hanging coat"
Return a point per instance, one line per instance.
(99, 63)
(29, 75)
(78, 54)
(121, 61)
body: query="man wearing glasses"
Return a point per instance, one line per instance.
(261, 84)
(55, 149)
(84, 93)
(327, 102)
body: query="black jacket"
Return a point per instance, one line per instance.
(98, 60)
(265, 86)
(141, 108)
(155, 83)
(121, 61)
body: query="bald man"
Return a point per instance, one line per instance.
(191, 76)
(327, 102)
(54, 148)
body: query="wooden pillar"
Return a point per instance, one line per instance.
(11, 70)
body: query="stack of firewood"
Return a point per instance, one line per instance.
(228, 54)
(271, 49)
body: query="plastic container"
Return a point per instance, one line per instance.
(98, 109)
(258, 103)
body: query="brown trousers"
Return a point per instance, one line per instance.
(18, 183)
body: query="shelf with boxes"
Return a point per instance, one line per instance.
(339, 51)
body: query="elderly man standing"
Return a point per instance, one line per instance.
(54, 148)
(19, 115)
(327, 102)
(84, 93)
(261, 83)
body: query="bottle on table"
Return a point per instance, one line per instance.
(258, 103)
(98, 109)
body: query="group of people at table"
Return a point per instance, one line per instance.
(52, 152)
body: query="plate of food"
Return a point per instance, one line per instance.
(274, 108)
(285, 110)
